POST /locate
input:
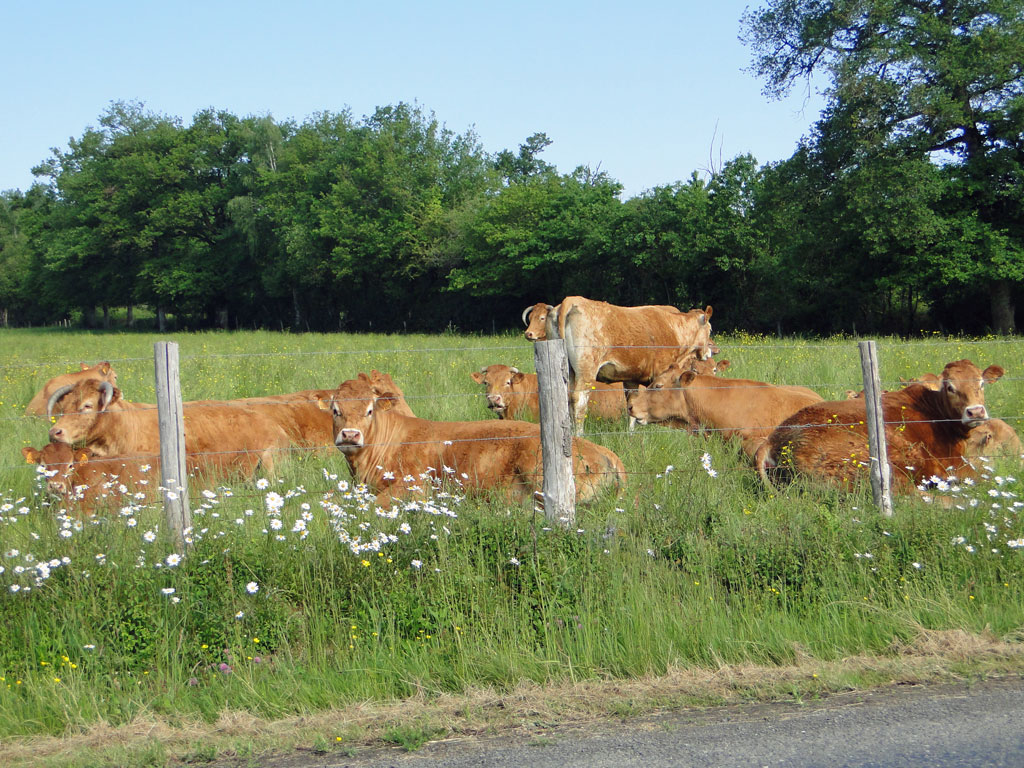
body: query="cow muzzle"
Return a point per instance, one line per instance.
(975, 415)
(349, 440)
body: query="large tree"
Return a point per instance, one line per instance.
(937, 79)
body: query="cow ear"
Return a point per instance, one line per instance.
(83, 367)
(31, 455)
(687, 378)
(82, 456)
(721, 366)
(478, 376)
(323, 404)
(385, 401)
(517, 375)
(992, 373)
(707, 312)
(105, 368)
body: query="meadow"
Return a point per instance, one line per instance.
(298, 596)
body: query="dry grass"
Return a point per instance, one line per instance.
(931, 657)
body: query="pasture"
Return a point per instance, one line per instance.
(297, 597)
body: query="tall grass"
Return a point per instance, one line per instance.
(297, 594)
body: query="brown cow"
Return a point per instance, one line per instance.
(629, 344)
(993, 438)
(741, 408)
(389, 451)
(925, 430)
(82, 479)
(47, 401)
(512, 394)
(218, 435)
(541, 321)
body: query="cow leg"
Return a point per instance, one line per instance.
(578, 399)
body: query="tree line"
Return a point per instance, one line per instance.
(902, 210)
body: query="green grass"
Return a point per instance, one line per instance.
(683, 569)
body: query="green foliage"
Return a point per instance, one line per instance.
(912, 84)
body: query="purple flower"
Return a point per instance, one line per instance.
(225, 668)
(193, 681)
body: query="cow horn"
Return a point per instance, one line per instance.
(526, 314)
(107, 390)
(55, 397)
(514, 370)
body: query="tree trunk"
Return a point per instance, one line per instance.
(130, 317)
(3, 317)
(1002, 308)
(298, 311)
(161, 319)
(222, 318)
(106, 318)
(89, 316)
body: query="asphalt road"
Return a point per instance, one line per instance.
(979, 725)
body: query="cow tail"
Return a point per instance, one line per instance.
(571, 352)
(763, 459)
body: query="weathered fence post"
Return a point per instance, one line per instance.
(559, 487)
(880, 471)
(172, 440)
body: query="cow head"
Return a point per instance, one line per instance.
(58, 387)
(663, 400)
(83, 404)
(536, 320)
(353, 408)
(962, 391)
(58, 462)
(502, 382)
(993, 438)
(702, 348)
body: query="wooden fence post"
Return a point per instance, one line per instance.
(881, 481)
(172, 440)
(559, 487)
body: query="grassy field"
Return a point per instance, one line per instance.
(297, 599)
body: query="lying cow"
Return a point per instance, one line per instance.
(47, 401)
(993, 438)
(218, 436)
(512, 394)
(629, 344)
(743, 408)
(86, 481)
(541, 321)
(388, 451)
(926, 431)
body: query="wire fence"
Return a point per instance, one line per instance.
(477, 394)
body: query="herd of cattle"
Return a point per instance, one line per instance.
(654, 364)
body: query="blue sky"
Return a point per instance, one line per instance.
(649, 91)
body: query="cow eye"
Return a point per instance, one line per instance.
(369, 411)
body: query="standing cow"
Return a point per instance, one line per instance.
(608, 343)
(926, 431)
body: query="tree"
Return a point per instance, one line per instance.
(938, 79)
